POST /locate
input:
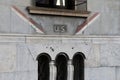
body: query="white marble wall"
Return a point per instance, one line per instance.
(107, 24)
(7, 57)
(4, 18)
(12, 23)
(100, 73)
(110, 54)
(117, 73)
(20, 26)
(16, 63)
(18, 55)
(109, 19)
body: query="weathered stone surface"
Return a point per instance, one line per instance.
(100, 56)
(34, 39)
(44, 40)
(4, 19)
(54, 49)
(94, 27)
(101, 73)
(77, 40)
(106, 40)
(27, 75)
(109, 10)
(110, 19)
(47, 22)
(93, 58)
(92, 6)
(7, 58)
(113, 20)
(23, 2)
(69, 46)
(20, 25)
(110, 54)
(12, 39)
(24, 59)
(6, 76)
(118, 73)
(6, 2)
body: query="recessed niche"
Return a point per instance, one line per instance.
(43, 66)
(61, 64)
(78, 63)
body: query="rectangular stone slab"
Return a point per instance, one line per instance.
(57, 12)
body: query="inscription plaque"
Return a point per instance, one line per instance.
(58, 28)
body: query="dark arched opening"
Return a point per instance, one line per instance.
(78, 63)
(61, 64)
(43, 66)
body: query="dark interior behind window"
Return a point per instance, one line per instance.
(61, 64)
(78, 63)
(43, 66)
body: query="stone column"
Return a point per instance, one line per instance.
(53, 70)
(70, 70)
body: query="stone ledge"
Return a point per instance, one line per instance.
(94, 39)
(57, 12)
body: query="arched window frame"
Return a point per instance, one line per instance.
(60, 75)
(43, 74)
(78, 66)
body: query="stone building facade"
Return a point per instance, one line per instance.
(20, 44)
(19, 53)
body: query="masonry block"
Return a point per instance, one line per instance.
(6, 76)
(69, 46)
(12, 39)
(106, 40)
(47, 22)
(6, 2)
(110, 54)
(23, 2)
(19, 24)
(118, 73)
(100, 73)
(7, 58)
(93, 58)
(54, 49)
(94, 27)
(24, 59)
(27, 75)
(4, 19)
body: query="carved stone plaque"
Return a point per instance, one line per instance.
(58, 28)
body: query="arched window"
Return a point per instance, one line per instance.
(43, 66)
(61, 64)
(78, 63)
